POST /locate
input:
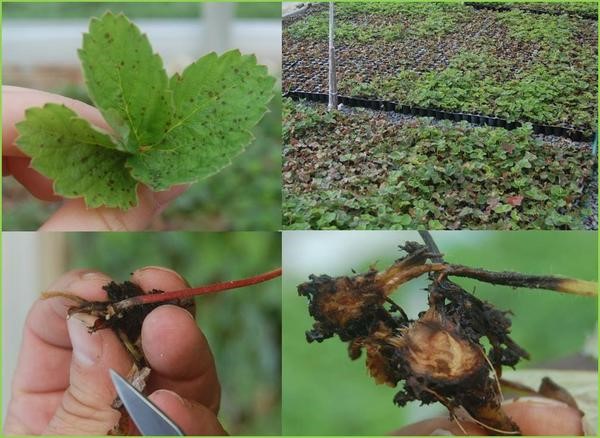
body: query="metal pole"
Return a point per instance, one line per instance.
(332, 64)
(218, 23)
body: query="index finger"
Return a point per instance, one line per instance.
(15, 100)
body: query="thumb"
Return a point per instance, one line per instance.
(85, 408)
(73, 215)
(193, 418)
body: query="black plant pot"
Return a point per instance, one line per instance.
(362, 103)
(576, 135)
(588, 137)
(540, 129)
(502, 123)
(375, 104)
(389, 106)
(404, 109)
(353, 102)
(495, 121)
(472, 118)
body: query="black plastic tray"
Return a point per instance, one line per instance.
(477, 119)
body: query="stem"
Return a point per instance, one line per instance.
(191, 292)
(431, 245)
(397, 275)
(514, 279)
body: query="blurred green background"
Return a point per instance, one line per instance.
(243, 326)
(132, 10)
(326, 393)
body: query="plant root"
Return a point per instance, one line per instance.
(439, 357)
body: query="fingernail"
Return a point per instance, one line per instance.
(534, 399)
(93, 275)
(67, 280)
(160, 393)
(87, 347)
(162, 269)
(441, 432)
(181, 309)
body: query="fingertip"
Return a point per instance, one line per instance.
(16, 100)
(81, 282)
(440, 426)
(158, 277)
(35, 183)
(542, 416)
(167, 400)
(192, 418)
(46, 318)
(188, 354)
(186, 365)
(74, 215)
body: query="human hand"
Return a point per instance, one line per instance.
(534, 416)
(62, 385)
(73, 215)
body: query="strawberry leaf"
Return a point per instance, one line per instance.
(515, 200)
(218, 99)
(80, 159)
(166, 132)
(126, 81)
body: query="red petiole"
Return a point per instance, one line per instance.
(191, 292)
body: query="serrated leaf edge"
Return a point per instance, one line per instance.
(75, 116)
(251, 137)
(155, 54)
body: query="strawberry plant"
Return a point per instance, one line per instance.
(368, 172)
(515, 65)
(453, 352)
(164, 131)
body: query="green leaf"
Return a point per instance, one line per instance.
(218, 100)
(126, 81)
(434, 224)
(403, 220)
(503, 208)
(80, 159)
(166, 132)
(536, 193)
